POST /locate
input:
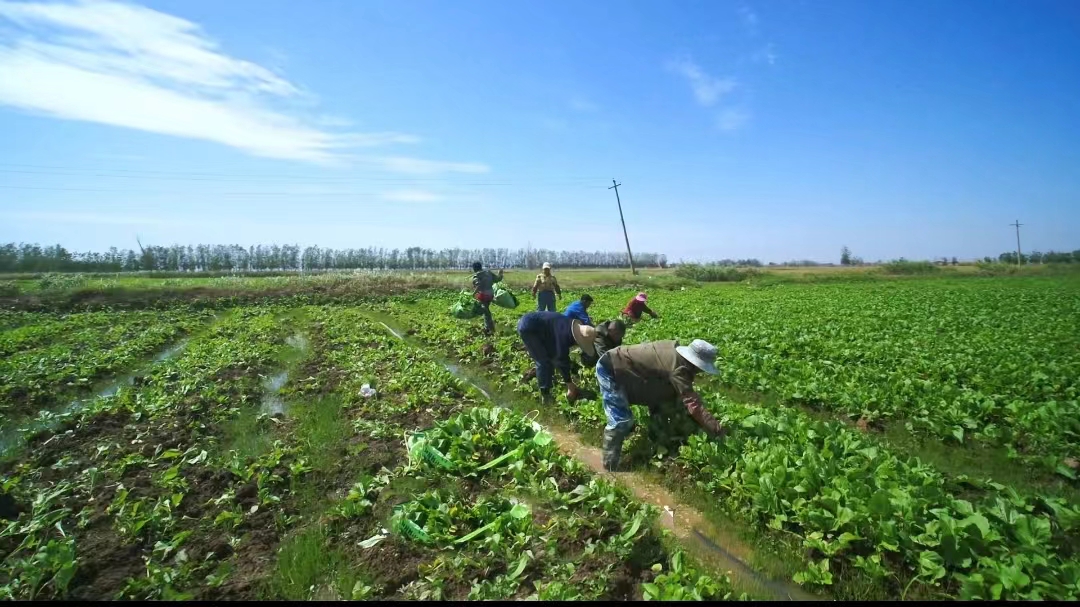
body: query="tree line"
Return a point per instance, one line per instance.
(33, 258)
(1037, 257)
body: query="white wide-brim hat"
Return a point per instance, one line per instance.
(546, 266)
(585, 336)
(702, 354)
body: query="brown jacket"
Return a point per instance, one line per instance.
(653, 374)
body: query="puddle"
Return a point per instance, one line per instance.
(168, 353)
(297, 342)
(15, 436)
(272, 404)
(715, 547)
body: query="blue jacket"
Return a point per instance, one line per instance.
(549, 335)
(577, 310)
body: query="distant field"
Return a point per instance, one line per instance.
(361, 281)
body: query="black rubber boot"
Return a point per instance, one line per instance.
(612, 448)
(546, 398)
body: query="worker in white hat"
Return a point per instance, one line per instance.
(546, 289)
(651, 374)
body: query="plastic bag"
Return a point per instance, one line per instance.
(504, 298)
(466, 307)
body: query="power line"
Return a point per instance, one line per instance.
(201, 176)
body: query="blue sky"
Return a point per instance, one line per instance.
(778, 130)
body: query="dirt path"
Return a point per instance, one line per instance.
(717, 548)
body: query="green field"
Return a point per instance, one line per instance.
(209, 438)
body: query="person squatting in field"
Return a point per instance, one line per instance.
(653, 374)
(548, 338)
(545, 289)
(580, 310)
(637, 307)
(483, 282)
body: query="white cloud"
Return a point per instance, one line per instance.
(749, 19)
(411, 196)
(707, 89)
(732, 119)
(130, 66)
(580, 104)
(765, 55)
(418, 166)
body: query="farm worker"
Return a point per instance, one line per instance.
(545, 289)
(651, 374)
(483, 282)
(548, 338)
(608, 335)
(579, 310)
(637, 307)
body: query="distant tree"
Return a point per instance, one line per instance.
(954, 261)
(845, 256)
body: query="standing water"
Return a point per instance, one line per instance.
(272, 404)
(720, 549)
(14, 433)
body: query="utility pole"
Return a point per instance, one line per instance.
(1017, 226)
(615, 187)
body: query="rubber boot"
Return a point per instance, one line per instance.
(546, 398)
(612, 448)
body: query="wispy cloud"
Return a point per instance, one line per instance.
(765, 55)
(732, 119)
(581, 104)
(130, 66)
(418, 166)
(411, 196)
(707, 89)
(749, 19)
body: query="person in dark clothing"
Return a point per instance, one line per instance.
(483, 282)
(549, 337)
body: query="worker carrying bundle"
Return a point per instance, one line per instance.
(483, 282)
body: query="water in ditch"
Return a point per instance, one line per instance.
(272, 404)
(14, 434)
(720, 549)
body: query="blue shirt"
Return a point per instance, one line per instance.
(577, 310)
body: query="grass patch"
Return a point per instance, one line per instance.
(715, 273)
(321, 430)
(309, 568)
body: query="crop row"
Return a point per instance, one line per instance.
(863, 512)
(43, 363)
(996, 361)
(177, 488)
(134, 497)
(455, 500)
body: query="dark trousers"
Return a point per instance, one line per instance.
(545, 301)
(535, 345)
(489, 322)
